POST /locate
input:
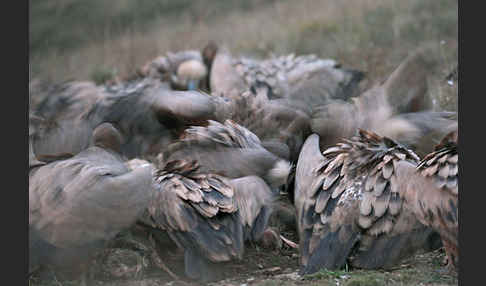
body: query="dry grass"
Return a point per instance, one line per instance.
(371, 35)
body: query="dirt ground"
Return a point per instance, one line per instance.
(266, 267)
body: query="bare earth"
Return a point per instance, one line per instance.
(265, 267)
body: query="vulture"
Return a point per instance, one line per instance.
(431, 191)
(304, 78)
(274, 98)
(231, 150)
(60, 106)
(77, 204)
(147, 113)
(399, 108)
(350, 205)
(184, 70)
(207, 215)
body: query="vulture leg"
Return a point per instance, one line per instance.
(158, 261)
(333, 248)
(199, 268)
(451, 256)
(289, 242)
(387, 251)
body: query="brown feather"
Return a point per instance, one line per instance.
(316, 185)
(387, 170)
(442, 158)
(387, 158)
(331, 150)
(365, 221)
(370, 183)
(401, 156)
(381, 203)
(322, 200)
(440, 182)
(205, 209)
(379, 185)
(395, 204)
(430, 171)
(453, 159)
(330, 179)
(452, 185)
(453, 169)
(383, 225)
(321, 165)
(366, 204)
(338, 189)
(444, 171)
(335, 163)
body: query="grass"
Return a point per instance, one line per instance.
(326, 274)
(370, 35)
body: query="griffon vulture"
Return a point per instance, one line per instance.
(431, 191)
(79, 203)
(207, 215)
(350, 208)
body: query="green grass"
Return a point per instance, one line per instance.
(325, 274)
(101, 75)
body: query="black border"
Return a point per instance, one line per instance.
(20, 91)
(471, 240)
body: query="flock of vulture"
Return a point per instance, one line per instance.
(200, 145)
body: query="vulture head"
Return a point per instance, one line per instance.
(184, 70)
(106, 136)
(190, 73)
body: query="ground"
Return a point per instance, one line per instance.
(264, 267)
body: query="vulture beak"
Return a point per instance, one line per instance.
(192, 84)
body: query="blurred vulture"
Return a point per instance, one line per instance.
(208, 215)
(232, 151)
(431, 190)
(400, 108)
(274, 98)
(350, 207)
(60, 106)
(79, 203)
(281, 124)
(184, 70)
(146, 112)
(305, 78)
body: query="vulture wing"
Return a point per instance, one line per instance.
(320, 180)
(89, 197)
(231, 150)
(390, 232)
(200, 214)
(255, 203)
(349, 204)
(77, 204)
(434, 191)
